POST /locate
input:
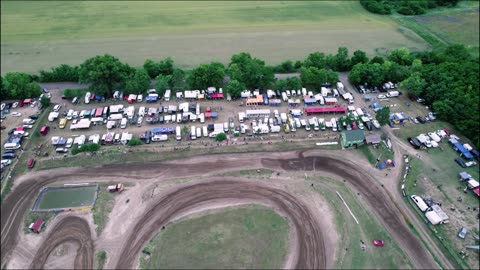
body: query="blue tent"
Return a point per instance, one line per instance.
(459, 147)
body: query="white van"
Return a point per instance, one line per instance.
(205, 131)
(11, 146)
(419, 202)
(178, 133)
(193, 133)
(199, 132)
(123, 124)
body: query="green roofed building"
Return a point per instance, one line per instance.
(354, 137)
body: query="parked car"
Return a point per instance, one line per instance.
(27, 126)
(16, 114)
(2, 106)
(9, 156)
(30, 163)
(57, 107)
(15, 104)
(45, 90)
(462, 232)
(376, 123)
(34, 103)
(378, 243)
(421, 120)
(381, 96)
(460, 162)
(69, 143)
(34, 116)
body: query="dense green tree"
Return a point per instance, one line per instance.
(207, 75)
(62, 73)
(45, 101)
(151, 67)
(341, 60)
(359, 57)
(285, 67)
(298, 64)
(164, 67)
(395, 72)
(177, 80)
(104, 72)
(138, 83)
(250, 71)
(316, 59)
(383, 115)
(288, 83)
(373, 74)
(414, 84)
(235, 88)
(401, 56)
(163, 83)
(377, 59)
(221, 137)
(16, 85)
(313, 77)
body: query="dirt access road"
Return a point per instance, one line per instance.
(310, 249)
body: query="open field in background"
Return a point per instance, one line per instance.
(190, 32)
(388, 257)
(247, 237)
(448, 25)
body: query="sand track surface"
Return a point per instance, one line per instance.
(69, 229)
(310, 248)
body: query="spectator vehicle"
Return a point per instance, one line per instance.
(378, 243)
(462, 232)
(30, 163)
(17, 114)
(460, 162)
(15, 105)
(45, 90)
(57, 107)
(9, 156)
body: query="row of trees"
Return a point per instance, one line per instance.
(416, 7)
(447, 79)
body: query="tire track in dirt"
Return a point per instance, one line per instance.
(72, 229)
(311, 253)
(389, 213)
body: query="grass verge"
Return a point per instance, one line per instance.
(101, 259)
(103, 207)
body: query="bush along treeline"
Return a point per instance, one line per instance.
(405, 7)
(448, 79)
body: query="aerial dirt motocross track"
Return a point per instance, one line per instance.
(311, 249)
(73, 229)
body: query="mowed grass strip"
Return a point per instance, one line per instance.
(252, 237)
(190, 32)
(350, 254)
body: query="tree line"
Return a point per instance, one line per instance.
(448, 79)
(404, 7)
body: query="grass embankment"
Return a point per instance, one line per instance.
(372, 153)
(101, 259)
(103, 207)
(247, 237)
(187, 30)
(350, 254)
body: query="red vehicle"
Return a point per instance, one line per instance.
(44, 130)
(447, 131)
(31, 163)
(20, 103)
(208, 109)
(378, 243)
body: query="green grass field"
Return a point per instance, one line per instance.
(38, 35)
(251, 237)
(446, 26)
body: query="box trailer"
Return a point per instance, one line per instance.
(419, 202)
(275, 129)
(167, 94)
